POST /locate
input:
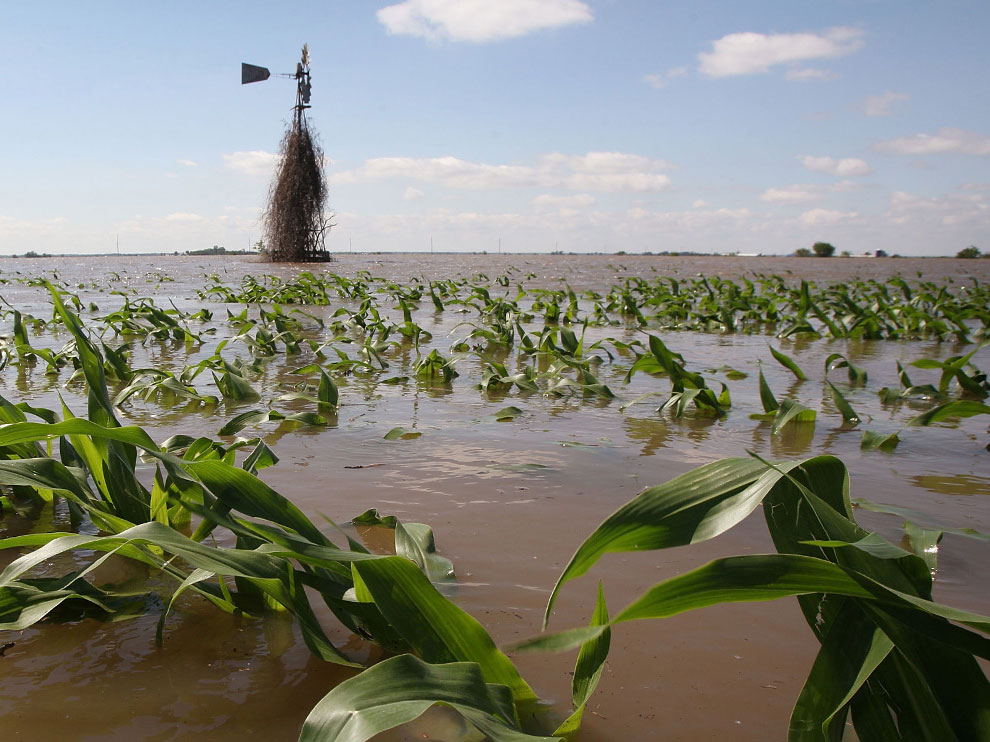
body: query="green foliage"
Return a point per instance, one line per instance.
(823, 250)
(401, 689)
(969, 252)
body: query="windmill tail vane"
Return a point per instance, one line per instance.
(253, 73)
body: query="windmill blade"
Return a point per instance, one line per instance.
(253, 73)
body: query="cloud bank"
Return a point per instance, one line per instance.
(947, 140)
(253, 162)
(594, 171)
(480, 21)
(847, 167)
(751, 53)
(883, 104)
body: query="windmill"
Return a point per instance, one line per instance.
(295, 225)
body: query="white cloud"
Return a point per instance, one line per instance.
(883, 104)
(690, 220)
(794, 194)
(615, 182)
(594, 171)
(253, 162)
(804, 74)
(577, 201)
(412, 194)
(450, 171)
(699, 204)
(655, 81)
(11, 229)
(946, 140)
(660, 80)
(179, 216)
(956, 208)
(819, 217)
(480, 21)
(187, 163)
(800, 193)
(847, 167)
(755, 53)
(604, 162)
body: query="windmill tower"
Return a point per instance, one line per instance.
(295, 223)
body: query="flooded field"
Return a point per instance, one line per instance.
(509, 494)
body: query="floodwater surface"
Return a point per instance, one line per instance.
(509, 502)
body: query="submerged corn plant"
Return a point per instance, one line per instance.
(780, 414)
(897, 664)
(688, 388)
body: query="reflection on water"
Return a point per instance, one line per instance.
(109, 681)
(509, 502)
(793, 441)
(953, 484)
(651, 432)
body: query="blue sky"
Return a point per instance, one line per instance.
(601, 125)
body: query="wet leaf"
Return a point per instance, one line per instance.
(880, 441)
(849, 415)
(507, 414)
(788, 363)
(401, 689)
(437, 629)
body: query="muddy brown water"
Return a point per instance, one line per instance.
(509, 502)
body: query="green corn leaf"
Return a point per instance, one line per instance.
(770, 403)
(588, 669)
(849, 415)
(437, 629)
(415, 542)
(956, 408)
(791, 412)
(272, 575)
(851, 650)
(507, 414)
(401, 689)
(327, 392)
(856, 374)
(693, 507)
(918, 517)
(788, 363)
(880, 441)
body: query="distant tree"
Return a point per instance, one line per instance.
(215, 250)
(846, 254)
(880, 254)
(802, 252)
(969, 252)
(823, 250)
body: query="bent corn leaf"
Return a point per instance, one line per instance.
(401, 689)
